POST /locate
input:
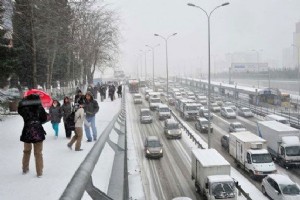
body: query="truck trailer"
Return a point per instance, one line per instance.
(212, 175)
(250, 152)
(282, 141)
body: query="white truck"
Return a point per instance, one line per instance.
(189, 111)
(250, 152)
(283, 142)
(212, 175)
(154, 102)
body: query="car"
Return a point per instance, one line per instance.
(145, 116)
(163, 112)
(225, 142)
(137, 99)
(245, 112)
(202, 125)
(280, 187)
(203, 112)
(172, 129)
(214, 107)
(236, 127)
(230, 104)
(228, 112)
(153, 147)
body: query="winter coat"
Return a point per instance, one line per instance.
(55, 113)
(119, 89)
(66, 110)
(111, 90)
(91, 107)
(79, 117)
(34, 115)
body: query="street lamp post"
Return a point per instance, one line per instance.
(208, 19)
(257, 60)
(166, 41)
(152, 48)
(145, 52)
(298, 65)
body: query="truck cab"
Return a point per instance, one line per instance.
(221, 187)
(189, 111)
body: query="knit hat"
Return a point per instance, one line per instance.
(89, 93)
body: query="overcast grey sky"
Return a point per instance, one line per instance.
(239, 27)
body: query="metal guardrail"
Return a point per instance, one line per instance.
(192, 137)
(82, 178)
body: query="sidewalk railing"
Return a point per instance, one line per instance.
(82, 179)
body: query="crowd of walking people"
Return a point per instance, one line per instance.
(81, 113)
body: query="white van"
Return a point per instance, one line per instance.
(163, 112)
(277, 118)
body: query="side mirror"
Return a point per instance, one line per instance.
(206, 185)
(278, 192)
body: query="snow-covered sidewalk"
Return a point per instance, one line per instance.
(60, 163)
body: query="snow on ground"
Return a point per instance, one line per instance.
(60, 163)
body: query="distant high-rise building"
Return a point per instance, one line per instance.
(296, 42)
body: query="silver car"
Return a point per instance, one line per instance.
(145, 116)
(153, 147)
(172, 129)
(280, 187)
(245, 112)
(236, 127)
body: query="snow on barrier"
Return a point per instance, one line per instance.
(203, 145)
(82, 179)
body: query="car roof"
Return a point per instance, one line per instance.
(226, 107)
(163, 106)
(145, 109)
(152, 138)
(202, 119)
(281, 179)
(236, 123)
(137, 95)
(171, 121)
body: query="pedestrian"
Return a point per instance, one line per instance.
(111, 92)
(33, 133)
(66, 110)
(102, 92)
(55, 115)
(119, 91)
(95, 92)
(78, 96)
(78, 119)
(91, 107)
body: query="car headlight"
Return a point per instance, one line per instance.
(148, 152)
(257, 172)
(161, 151)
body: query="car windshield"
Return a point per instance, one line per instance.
(164, 110)
(229, 110)
(137, 97)
(191, 108)
(155, 100)
(145, 113)
(173, 126)
(292, 151)
(290, 189)
(154, 143)
(204, 122)
(238, 126)
(223, 190)
(261, 158)
(246, 110)
(284, 121)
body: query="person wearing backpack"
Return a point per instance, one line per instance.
(33, 133)
(91, 107)
(78, 119)
(66, 110)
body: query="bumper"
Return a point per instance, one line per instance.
(154, 155)
(137, 102)
(164, 117)
(148, 121)
(170, 136)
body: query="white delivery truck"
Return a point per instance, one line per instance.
(189, 111)
(250, 152)
(154, 102)
(212, 175)
(283, 142)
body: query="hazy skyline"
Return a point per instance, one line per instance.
(239, 27)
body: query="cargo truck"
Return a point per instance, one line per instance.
(212, 175)
(189, 111)
(282, 141)
(250, 153)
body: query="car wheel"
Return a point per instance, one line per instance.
(263, 190)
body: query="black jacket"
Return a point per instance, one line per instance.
(91, 107)
(34, 115)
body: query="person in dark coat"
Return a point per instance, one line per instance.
(55, 115)
(91, 107)
(66, 110)
(119, 91)
(102, 92)
(111, 92)
(78, 96)
(33, 133)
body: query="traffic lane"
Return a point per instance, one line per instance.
(169, 169)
